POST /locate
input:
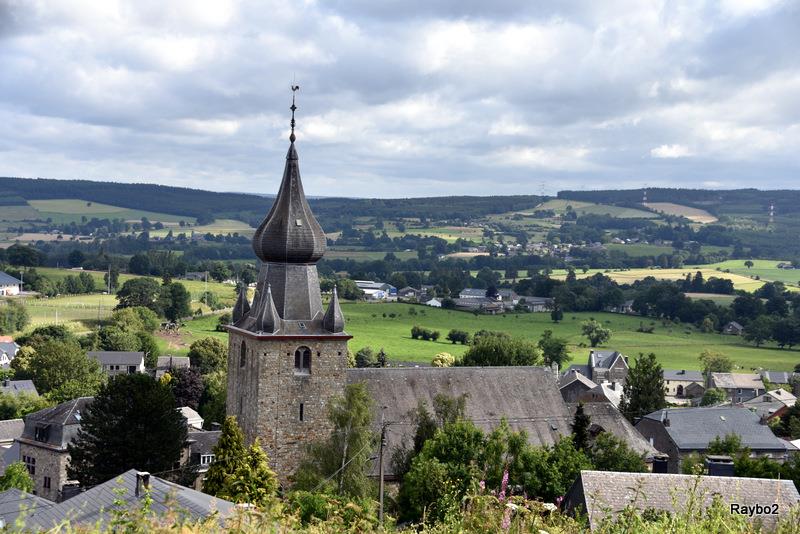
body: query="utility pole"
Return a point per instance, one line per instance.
(380, 467)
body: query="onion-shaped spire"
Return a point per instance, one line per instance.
(333, 321)
(290, 233)
(242, 306)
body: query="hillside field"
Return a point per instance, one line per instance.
(67, 210)
(587, 208)
(627, 276)
(693, 214)
(677, 346)
(764, 269)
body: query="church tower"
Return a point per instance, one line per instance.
(287, 356)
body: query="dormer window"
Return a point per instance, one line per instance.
(302, 361)
(41, 433)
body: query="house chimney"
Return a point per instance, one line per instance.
(660, 463)
(719, 466)
(683, 372)
(142, 482)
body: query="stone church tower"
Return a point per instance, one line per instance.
(287, 356)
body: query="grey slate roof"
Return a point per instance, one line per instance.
(472, 292)
(11, 429)
(13, 502)
(61, 420)
(172, 362)
(117, 357)
(572, 375)
(777, 377)
(694, 428)
(18, 386)
(203, 441)
(737, 380)
(603, 358)
(527, 397)
(576, 367)
(597, 493)
(684, 375)
(334, 318)
(94, 504)
(8, 280)
(609, 419)
(9, 347)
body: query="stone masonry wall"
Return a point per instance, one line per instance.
(266, 394)
(49, 463)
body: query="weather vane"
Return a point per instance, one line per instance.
(295, 88)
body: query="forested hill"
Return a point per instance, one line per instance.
(206, 205)
(718, 202)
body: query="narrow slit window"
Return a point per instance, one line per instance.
(301, 411)
(243, 355)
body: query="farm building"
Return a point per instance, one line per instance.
(9, 286)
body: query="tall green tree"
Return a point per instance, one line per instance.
(62, 371)
(14, 317)
(596, 333)
(497, 348)
(610, 453)
(131, 424)
(139, 292)
(580, 429)
(554, 349)
(208, 354)
(341, 464)
(643, 391)
(759, 330)
(174, 301)
(240, 474)
(715, 362)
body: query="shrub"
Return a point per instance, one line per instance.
(443, 359)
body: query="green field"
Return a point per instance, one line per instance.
(68, 210)
(677, 346)
(627, 276)
(765, 269)
(220, 226)
(587, 208)
(365, 255)
(693, 214)
(641, 249)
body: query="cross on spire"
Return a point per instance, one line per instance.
(295, 88)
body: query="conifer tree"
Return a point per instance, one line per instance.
(228, 452)
(580, 429)
(240, 474)
(643, 392)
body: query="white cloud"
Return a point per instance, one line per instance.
(670, 151)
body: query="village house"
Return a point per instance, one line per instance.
(597, 494)
(285, 344)
(199, 453)
(683, 383)
(626, 307)
(604, 365)
(472, 293)
(115, 362)
(376, 290)
(536, 304)
(193, 419)
(681, 431)
(481, 305)
(772, 404)
(574, 384)
(166, 364)
(9, 286)
(433, 303)
(410, 293)
(739, 387)
(8, 351)
(43, 445)
(733, 329)
(508, 297)
(605, 392)
(779, 378)
(196, 276)
(101, 505)
(15, 387)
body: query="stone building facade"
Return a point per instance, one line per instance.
(43, 445)
(287, 356)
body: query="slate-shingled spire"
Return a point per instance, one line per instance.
(242, 306)
(290, 233)
(334, 318)
(268, 320)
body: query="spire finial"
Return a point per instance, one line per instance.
(295, 88)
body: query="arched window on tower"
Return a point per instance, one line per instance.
(302, 361)
(243, 355)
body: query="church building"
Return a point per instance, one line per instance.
(287, 356)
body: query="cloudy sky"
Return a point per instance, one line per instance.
(403, 97)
